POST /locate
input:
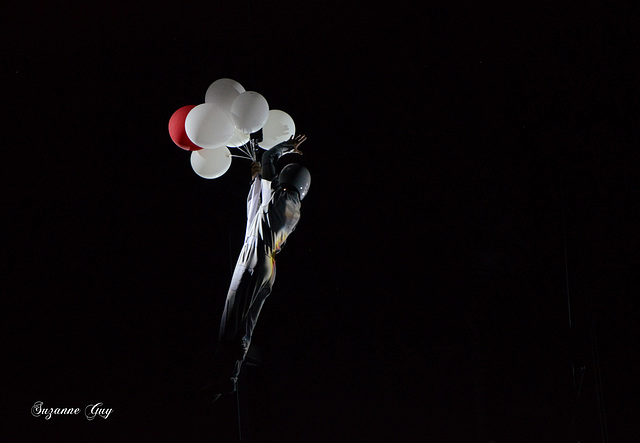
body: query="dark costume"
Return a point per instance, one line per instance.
(273, 211)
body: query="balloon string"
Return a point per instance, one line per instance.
(240, 149)
(249, 150)
(256, 149)
(247, 155)
(253, 149)
(245, 151)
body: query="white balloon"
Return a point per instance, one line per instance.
(208, 126)
(211, 163)
(223, 92)
(278, 128)
(239, 138)
(249, 111)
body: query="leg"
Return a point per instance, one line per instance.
(246, 296)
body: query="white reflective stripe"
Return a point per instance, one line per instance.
(253, 203)
(247, 260)
(237, 276)
(250, 240)
(253, 198)
(266, 194)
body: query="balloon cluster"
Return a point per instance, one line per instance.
(226, 119)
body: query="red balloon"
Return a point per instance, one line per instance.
(178, 133)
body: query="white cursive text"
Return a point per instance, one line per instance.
(92, 410)
(37, 410)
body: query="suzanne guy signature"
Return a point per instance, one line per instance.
(91, 411)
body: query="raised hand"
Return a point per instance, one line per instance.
(297, 141)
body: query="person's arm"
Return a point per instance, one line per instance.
(270, 158)
(254, 199)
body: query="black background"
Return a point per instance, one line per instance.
(469, 241)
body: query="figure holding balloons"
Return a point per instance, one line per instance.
(273, 212)
(226, 119)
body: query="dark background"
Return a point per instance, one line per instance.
(469, 242)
